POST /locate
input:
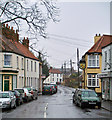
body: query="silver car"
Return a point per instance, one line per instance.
(7, 100)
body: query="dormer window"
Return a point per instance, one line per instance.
(7, 60)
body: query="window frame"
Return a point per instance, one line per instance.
(96, 79)
(6, 54)
(93, 61)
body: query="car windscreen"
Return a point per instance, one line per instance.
(20, 90)
(89, 94)
(4, 95)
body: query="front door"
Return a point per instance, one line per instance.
(6, 85)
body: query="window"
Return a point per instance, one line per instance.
(27, 81)
(93, 80)
(31, 65)
(27, 65)
(105, 59)
(109, 58)
(22, 63)
(35, 66)
(17, 62)
(31, 81)
(93, 60)
(7, 60)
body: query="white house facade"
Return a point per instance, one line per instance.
(106, 75)
(55, 75)
(18, 66)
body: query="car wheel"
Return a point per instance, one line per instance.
(99, 106)
(73, 100)
(14, 105)
(81, 105)
(18, 103)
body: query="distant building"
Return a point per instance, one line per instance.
(18, 66)
(55, 75)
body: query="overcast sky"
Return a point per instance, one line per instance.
(79, 23)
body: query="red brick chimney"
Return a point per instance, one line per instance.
(9, 33)
(26, 42)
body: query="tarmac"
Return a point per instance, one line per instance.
(107, 105)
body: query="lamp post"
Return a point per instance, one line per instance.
(82, 65)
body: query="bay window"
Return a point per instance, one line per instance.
(93, 60)
(93, 80)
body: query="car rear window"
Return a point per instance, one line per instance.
(20, 90)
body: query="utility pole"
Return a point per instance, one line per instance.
(65, 69)
(78, 65)
(71, 66)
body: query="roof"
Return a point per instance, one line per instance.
(55, 71)
(9, 45)
(103, 41)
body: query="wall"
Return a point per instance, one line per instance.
(93, 70)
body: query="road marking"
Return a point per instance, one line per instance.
(45, 110)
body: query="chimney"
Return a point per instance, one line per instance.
(10, 33)
(96, 38)
(26, 42)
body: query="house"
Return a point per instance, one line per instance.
(106, 75)
(93, 62)
(55, 75)
(18, 66)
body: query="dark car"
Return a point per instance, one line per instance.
(55, 86)
(47, 89)
(86, 98)
(33, 91)
(19, 99)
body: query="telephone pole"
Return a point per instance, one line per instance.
(78, 65)
(71, 66)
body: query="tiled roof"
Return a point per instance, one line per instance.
(9, 45)
(55, 71)
(103, 41)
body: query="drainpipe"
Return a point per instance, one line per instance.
(24, 72)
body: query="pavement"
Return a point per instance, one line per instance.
(107, 105)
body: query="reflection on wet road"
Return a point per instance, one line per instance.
(58, 105)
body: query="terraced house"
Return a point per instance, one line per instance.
(93, 61)
(18, 66)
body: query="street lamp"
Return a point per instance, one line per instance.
(82, 65)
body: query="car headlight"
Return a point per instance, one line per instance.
(6, 102)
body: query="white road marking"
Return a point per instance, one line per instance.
(45, 110)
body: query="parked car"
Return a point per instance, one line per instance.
(55, 86)
(86, 97)
(47, 89)
(19, 99)
(25, 94)
(7, 100)
(33, 91)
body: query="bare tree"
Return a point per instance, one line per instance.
(35, 15)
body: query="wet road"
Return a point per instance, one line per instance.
(58, 105)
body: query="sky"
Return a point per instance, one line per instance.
(79, 23)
